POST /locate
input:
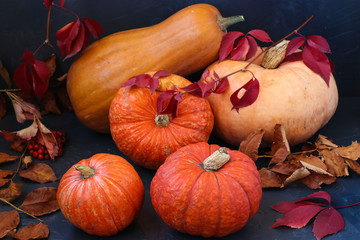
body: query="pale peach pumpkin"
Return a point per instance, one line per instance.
(291, 95)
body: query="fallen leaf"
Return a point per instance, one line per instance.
(35, 231)
(328, 221)
(7, 158)
(41, 201)
(5, 173)
(51, 64)
(40, 172)
(350, 152)
(26, 161)
(280, 148)
(18, 146)
(250, 146)
(334, 163)
(323, 142)
(23, 110)
(5, 75)
(270, 179)
(12, 192)
(64, 98)
(286, 167)
(29, 132)
(3, 106)
(296, 175)
(3, 181)
(8, 221)
(315, 180)
(49, 102)
(314, 163)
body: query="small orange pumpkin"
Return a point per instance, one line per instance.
(206, 190)
(147, 138)
(101, 195)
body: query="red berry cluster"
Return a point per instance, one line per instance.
(39, 151)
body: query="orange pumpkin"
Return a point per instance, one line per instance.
(147, 138)
(206, 190)
(291, 95)
(185, 43)
(101, 195)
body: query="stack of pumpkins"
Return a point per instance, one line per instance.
(198, 188)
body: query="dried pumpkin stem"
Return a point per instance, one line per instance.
(162, 120)
(274, 56)
(216, 160)
(225, 22)
(86, 171)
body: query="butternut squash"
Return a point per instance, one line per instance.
(183, 44)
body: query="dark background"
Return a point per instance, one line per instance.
(23, 25)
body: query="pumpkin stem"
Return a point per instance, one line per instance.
(225, 22)
(216, 160)
(86, 171)
(274, 56)
(162, 120)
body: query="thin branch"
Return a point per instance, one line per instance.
(19, 209)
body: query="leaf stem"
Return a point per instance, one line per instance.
(10, 90)
(65, 9)
(20, 160)
(351, 205)
(19, 209)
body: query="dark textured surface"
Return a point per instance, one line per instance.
(23, 26)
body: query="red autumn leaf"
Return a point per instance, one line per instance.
(172, 106)
(32, 76)
(319, 43)
(252, 47)
(41, 201)
(66, 35)
(161, 73)
(34, 231)
(241, 49)
(297, 214)
(8, 221)
(227, 44)
(260, 35)
(77, 43)
(317, 61)
(297, 56)
(194, 89)
(221, 85)
(163, 97)
(249, 97)
(328, 221)
(294, 45)
(48, 3)
(94, 27)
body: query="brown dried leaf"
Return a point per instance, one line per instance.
(26, 161)
(64, 98)
(354, 165)
(49, 102)
(250, 146)
(314, 163)
(324, 142)
(12, 192)
(28, 98)
(280, 148)
(8, 221)
(315, 180)
(5, 75)
(51, 64)
(41, 201)
(5, 173)
(7, 158)
(334, 163)
(29, 132)
(350, 152)
(36, 231)
(48, 139)
(18, 146)
(3, 106)
(3, 181)
(298, 174)
(23, 109)
(286, 167)
(270, 179)
(40, 172)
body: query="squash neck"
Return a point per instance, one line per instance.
(225, 22)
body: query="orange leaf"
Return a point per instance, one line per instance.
(5, 173)
(314, 163)
(270, 179)
(7, 158)
(250, 146)
(354, 165)
(35, 231)
(40, 172)
(12, 192)
(286, 167)
(41, 201)
(8, 221)
(3, 181)
(350, 152)
(324, 142)
(334, 163)
(280, 148)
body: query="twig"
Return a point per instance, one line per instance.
(19, 209)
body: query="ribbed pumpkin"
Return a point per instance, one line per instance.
(101, 195)
(185, 43)
(291, 95)
(147, 138)
(193, 192)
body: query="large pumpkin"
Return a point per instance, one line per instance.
(101, 195)
(195, 193)
(147, 138)
(291, 95)
(185, 43)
